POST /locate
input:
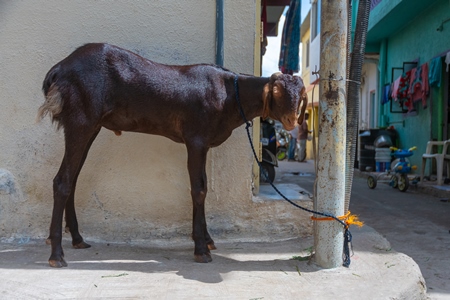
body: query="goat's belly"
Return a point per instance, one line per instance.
(166, 132)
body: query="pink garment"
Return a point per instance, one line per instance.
(418, 86)
(394, 94)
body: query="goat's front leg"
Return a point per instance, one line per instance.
(197, 174)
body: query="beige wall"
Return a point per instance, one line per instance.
(312, 109)
(135, 186)
(306, 70)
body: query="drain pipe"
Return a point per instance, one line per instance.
(219, 33)
(382, 65)
(329, 237)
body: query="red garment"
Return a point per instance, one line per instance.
(418, 86)
(403, 86)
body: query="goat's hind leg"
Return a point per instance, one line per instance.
(71, 217)
(78, 141)
(209, 241)
(72, 224)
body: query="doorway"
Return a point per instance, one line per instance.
(446, 105)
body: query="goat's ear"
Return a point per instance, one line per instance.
(304, 99)
(276, 84)
(277, 90)
(267, 97)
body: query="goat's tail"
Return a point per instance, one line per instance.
(53, 104)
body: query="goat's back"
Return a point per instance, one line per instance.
(122, 91)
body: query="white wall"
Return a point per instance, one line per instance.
(134, 186)
(314, 59)
(369, 76)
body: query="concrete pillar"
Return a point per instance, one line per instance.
(330, 198)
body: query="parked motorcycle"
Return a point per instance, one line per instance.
(283, 138)
(269, 151)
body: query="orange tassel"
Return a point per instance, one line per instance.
(354, 220)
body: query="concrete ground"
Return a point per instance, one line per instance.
(416, 223)
(239, 271)
(277, 270)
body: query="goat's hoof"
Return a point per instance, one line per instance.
(203, 258)
(54, 263)
(211, 246)
(81, 245)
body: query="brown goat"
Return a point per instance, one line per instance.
(100, 85)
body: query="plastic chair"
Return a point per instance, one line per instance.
(441, 158)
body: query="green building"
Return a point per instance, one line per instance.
(405, 78)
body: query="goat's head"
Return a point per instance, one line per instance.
(283, 96)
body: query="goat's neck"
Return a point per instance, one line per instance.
(251, 91)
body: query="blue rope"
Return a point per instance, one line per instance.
(347, 234)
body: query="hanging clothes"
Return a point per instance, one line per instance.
(265, 27)
(435, 72)
(403, 85)
(403, 88)
(386, 94)
(395, 87)
(447, 59)
(418, 86)
(290, 40)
